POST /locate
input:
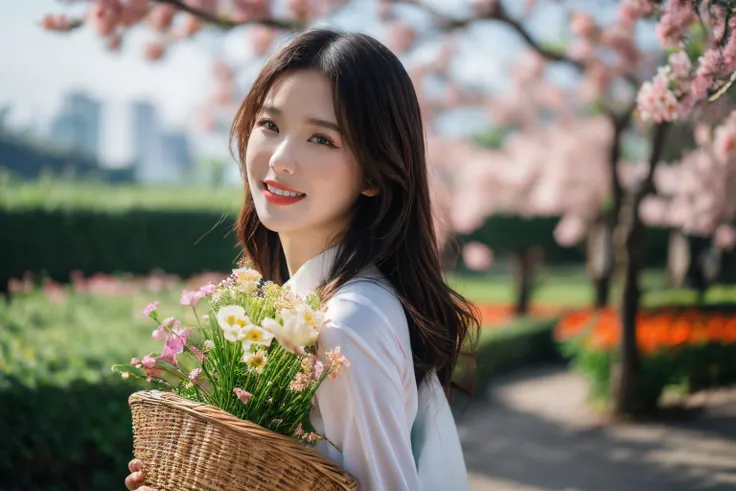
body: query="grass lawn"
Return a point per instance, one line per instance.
(569, 287)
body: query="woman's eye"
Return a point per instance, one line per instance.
(322, 140)
(268, 124)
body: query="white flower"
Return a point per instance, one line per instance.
(300, 328)
(254, 334)
(232, 320)
(238, 328)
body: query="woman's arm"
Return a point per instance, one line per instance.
(364, 409)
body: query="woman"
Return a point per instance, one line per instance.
(331, 144)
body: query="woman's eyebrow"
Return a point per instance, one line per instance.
(325, 123)
(311, 120)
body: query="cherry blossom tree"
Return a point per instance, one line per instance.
(546, 165)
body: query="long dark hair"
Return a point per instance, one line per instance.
(378, 113)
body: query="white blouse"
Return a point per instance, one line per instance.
(393, 437)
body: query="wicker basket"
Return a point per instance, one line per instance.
(185, 445)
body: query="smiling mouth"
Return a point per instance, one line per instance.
(283, 192)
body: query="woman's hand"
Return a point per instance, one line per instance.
(136, 478)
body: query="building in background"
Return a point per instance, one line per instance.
(160, 157)
(176, 154)
(77, 126)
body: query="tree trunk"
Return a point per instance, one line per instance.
(524, 265)
(599, 260)
(628, 392)
(602, 291)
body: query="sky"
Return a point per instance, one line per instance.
(39, 67)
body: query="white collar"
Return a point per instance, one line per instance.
(314, 272)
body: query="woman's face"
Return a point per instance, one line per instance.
(300, 173)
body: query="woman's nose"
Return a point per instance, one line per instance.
(282, 159)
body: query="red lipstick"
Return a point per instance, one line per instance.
(278, 199)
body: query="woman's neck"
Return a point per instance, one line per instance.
(301, 247)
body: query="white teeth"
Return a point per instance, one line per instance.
(281, 192)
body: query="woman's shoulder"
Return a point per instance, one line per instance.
(368, 307)
(369, 294)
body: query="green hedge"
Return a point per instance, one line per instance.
(508, 233)
(522, 342)
(64, 416)
(56, 242)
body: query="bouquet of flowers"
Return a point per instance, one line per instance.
(239, 388)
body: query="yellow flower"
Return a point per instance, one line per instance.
(256, 361)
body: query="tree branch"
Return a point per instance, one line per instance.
(221, 22)
(495, 13)
(658, 141)
(229, 23)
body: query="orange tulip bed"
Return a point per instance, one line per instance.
(686, 347)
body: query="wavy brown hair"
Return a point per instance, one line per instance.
(379, 117)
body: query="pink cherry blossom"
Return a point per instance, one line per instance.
(401, 37)
(161, 16)
(55, 22)
(570, 230)
(104, 16)
(677, 16)
(154, 51)
(725, 237)
(246, 10)
(582, 24)
(134, 11)
(477, 256)
(261, 39)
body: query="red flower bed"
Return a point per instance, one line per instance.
(658, 329)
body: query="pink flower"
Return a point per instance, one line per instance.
(335, 362)
(477, 256)
(208, 289)
(159, 334)
(677, 16)
(105, 15)
(680, 64)
(174, 345)
(170, 324)
(161, 17)
(197, 353)
(582, 24)
(243, 395)
(151, 307)
(569, 231)
(192, 298)
(300, 382)
(148, 361)
(725, 237)
(261, 38)
(194, 374)
(299, 430)
(318, 369)
(56, 22)
(656, 101)
(154, 51)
